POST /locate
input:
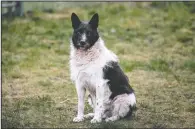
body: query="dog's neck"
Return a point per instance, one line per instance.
(86, 56)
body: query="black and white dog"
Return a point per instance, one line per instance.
(95, 68)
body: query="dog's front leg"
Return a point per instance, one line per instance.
(81, 96)
(99, 109)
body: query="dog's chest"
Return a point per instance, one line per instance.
(91, 78)
(87, 66)
(88, 72)
(91, 73)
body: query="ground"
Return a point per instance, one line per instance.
(154, 42)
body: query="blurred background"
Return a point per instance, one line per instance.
(155, 43)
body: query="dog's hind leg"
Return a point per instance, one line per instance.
(118, 112)
(121, 107)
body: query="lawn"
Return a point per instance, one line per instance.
(154, 42)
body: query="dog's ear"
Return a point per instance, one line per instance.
(75, 21)
(94, 21)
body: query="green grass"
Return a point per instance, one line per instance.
(190, 65)
(156, 47)
(158, 65)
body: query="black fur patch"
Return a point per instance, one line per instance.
(117, 80)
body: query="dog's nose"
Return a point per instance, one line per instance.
(82, 43)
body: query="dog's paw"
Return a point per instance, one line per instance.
(78, 119)
(110, 119)
(89, 115)
(96, 120)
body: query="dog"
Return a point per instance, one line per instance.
(95, 68)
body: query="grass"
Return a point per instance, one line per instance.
(156, 47)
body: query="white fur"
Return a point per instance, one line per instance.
(83, 37)
(132, 99)
(120, 106)
(86, 72)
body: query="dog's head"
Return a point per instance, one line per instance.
(85, 34)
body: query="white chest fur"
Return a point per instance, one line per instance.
(87, 66)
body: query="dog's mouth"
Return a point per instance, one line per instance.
(83, 46)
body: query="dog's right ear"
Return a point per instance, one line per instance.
(94, 21)
(75, 21)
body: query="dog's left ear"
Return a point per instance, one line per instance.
(94, 21)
